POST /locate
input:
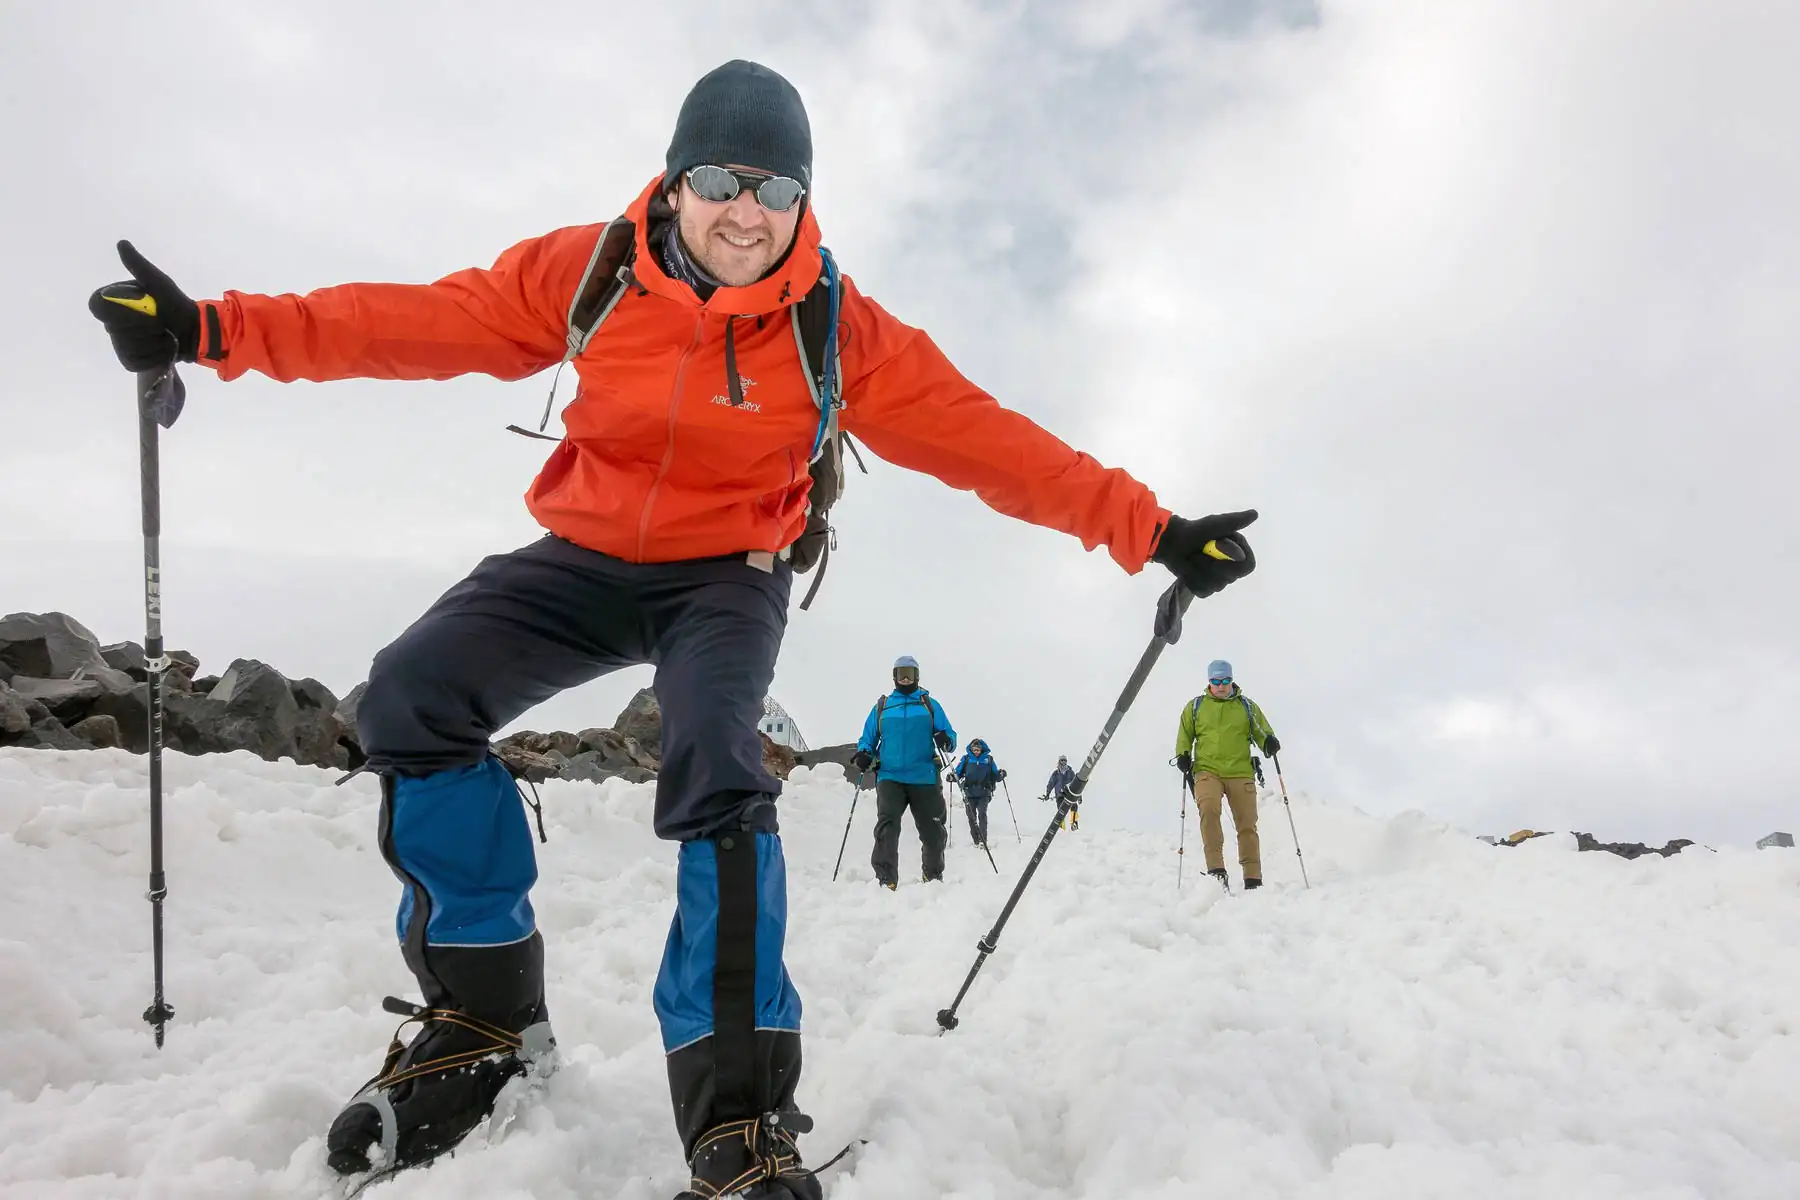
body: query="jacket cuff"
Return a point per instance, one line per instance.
(212, 348)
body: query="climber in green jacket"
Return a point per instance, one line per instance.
(1212, 748)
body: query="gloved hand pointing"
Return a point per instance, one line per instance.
(1182, 549)
(151, 321)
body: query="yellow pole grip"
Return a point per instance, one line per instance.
(144, 303)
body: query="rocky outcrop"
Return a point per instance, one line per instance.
(642, 721)
(65, 691)
(828, 754)
(60, 689)
(47, 645)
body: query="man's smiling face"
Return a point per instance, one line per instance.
(736, 242)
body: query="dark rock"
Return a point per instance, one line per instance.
(14, 717)
(526, 763)
(127, 657)
(27, 656)
(67, 699)
(260, 712)
(1587, 841)
(100, 732)
(840, 755)
(310, 693)
(318, 739)
(609, 754)
(197, 724)
(346, 708)
(594, 766)
(778, 760)
(642, 719)
(204, 685)
(131, 712)
(49, 734)
(564, 744)
(615, 746)
(47, 645)
(6, 672)
(184, 662)
(113, 682)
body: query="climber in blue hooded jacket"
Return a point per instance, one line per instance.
(903, 740)
(978, 774)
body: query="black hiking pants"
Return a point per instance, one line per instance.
(521, 628)
(977, 805)
(927, 803)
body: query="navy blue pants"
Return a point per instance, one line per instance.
(521, 628)
(976, 804)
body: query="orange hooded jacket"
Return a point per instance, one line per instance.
(657, 464)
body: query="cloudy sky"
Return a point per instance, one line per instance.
(1487, 306)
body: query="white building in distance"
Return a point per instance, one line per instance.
(780, 726)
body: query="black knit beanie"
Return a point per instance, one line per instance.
(743, 113)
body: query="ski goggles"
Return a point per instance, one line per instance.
(721, 185)
(906, 674)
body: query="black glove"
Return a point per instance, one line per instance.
(1271, 745)
(1182, 549)
(1185, 764)
(147, 340)
(944, 741)
(862, 760)
(999, 775)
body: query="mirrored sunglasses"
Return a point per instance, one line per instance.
(721, 185)
(1220, 682)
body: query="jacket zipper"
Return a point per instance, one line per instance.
(662, 472)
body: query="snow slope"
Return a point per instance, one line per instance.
(1435, 1017)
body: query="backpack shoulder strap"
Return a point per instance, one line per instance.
(1249, 713)
(816, 321)
(880, 713)
(603, 284)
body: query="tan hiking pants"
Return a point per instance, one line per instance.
(1209, 791)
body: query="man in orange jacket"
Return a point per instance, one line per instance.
(671, 504)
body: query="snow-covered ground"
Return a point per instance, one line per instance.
(1435, 1017)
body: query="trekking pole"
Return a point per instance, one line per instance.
(160, 394)
(949, 825)
(860, 775)
(1017, 836)
(1169, 612)
(1181, 848)
(969, 808)
(1276, 759)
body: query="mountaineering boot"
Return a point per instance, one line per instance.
(1250, 881)
(1220, 875)
(754, 1156)
(483, 1025)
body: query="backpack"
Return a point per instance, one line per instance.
(815, 318)
(881, 712)
(1249, 714)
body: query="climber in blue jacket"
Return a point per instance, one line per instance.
(903, 741)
